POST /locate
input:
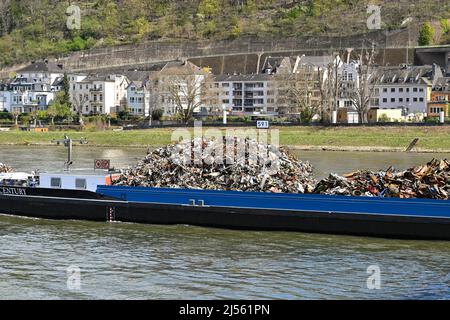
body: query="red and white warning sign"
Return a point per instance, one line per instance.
(102, 164)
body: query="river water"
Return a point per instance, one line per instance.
(132, 261)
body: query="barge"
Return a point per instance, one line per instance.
(86, 196)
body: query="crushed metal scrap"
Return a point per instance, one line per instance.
(187, 165)
(5, 169)
(431, 181)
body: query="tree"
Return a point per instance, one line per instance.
(426, 34)
(157, 114)
(186, 86)
(16, 115)
(329, 85)
(296, 94)
(57, 109)
(65, 97)
(367, 80)
(208, 8)
(79, 102)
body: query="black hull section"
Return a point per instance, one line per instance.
(102, 209)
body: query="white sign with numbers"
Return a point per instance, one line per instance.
(262, 124)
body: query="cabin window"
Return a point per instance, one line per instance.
(55, 182)
(80, 183)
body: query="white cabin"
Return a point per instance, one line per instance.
(74, 181)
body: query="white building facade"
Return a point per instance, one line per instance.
(97, 94)
(138, 99)
(5, 101)
(245, 94)
(405, 87)
(33, 89)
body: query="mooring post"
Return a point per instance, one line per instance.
(412, 145)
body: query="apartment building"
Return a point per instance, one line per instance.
(440, 99)
(245, 94)
(404, 87)
(138, 99)
(40, 76)
(97, 94)
(34, 87)
(177, 84)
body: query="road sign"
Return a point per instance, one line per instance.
(102, 164)
(262, 124)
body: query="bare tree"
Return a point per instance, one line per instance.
(297, 94)
(185, 86)
(79, 101)
(366, 82)
(16, 115)
(329, 84)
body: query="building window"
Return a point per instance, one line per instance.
(384, 89)
(384, 99)
(414, 89)
(392, 89)
(415, 99)
(400, 99)
(436, 110)
(55, 182)
(80, 183)
(420, 89)
(392, 99)
(421, 99)
(400, 89)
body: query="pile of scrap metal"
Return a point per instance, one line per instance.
(431, 181)
(231, 164)
(5, 169)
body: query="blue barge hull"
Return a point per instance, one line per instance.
(281, 201)
(365, 216)
(369, 216)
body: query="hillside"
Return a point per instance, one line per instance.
(30, 29)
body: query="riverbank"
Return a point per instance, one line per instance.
(395, 139)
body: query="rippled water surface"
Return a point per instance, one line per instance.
(134, 261)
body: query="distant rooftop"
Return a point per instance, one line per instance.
(43, 66)
(242, 77)
(404, 74)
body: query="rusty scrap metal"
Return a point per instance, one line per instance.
(431, 180)
(5, 169)
(187, 165)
